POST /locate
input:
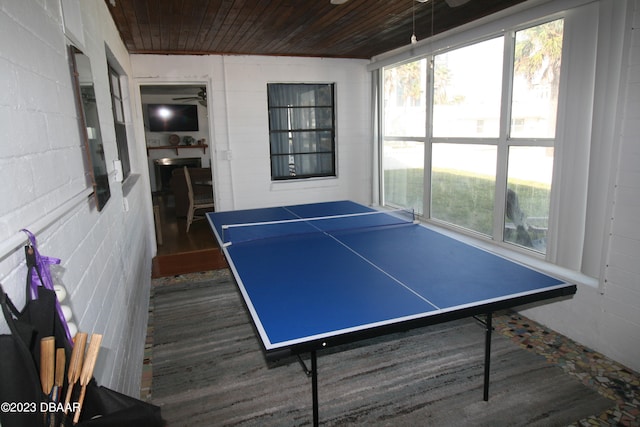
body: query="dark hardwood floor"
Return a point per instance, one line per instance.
(181, 252)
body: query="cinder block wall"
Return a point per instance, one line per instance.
(106, 256)
(608, 319)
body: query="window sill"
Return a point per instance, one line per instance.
(304, 183)
(129, 183)
(528, 260)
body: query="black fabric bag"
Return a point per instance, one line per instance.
(104, 407)
(42, 309)
(20, 390)
(19, 369)
(20, 387)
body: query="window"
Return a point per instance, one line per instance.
(301, 130)
(119, 121)
(404, 130)
(481, 120)
(528, 196)
(405, 99)
(534, 103)
(536, 76)
(468, 82)
(463, 174)
(463, 185)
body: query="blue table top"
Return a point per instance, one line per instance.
(306, 281)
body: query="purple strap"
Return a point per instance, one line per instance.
(42, 264)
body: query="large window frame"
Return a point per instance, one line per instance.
(499, 141)
(557, 248)
(595, 34)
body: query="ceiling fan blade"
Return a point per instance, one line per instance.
(201, 97)
(456, 3)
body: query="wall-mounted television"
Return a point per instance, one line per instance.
(172, 117)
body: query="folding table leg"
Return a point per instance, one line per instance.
(487, 356)
(314, 387)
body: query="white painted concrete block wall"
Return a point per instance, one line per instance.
(106, 256)
(238, 121)
(622, 272)
(608, 320)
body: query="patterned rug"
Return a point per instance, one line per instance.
(205, 367)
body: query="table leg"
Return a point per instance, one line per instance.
(487, 356)
(314, 387)
(157, 220)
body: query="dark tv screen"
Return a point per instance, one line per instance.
(172, 117)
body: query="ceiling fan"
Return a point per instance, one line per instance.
(201, 97)
(451, 3)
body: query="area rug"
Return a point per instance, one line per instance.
(209, 370)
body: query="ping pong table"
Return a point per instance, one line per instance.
(318, 275)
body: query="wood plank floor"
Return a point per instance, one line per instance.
(182, 252)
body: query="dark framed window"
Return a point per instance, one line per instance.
(119, 121)
(301, 130)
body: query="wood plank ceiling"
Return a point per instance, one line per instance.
(316, 28)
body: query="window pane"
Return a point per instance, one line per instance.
(528, 196)
(301, 142)
(301, 95)
(467, 91)
(115, 85)
(405, 99)
(119, 114)
(404, 174)
(302, 165)
(463, 185)
(300, 118)
(538, 53)
(123, 148)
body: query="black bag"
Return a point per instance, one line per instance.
(21, 394)
(104, 407)
(20, 386)
(20, 390)
(41, 313)
(42, 308)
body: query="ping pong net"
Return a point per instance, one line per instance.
(246, 232)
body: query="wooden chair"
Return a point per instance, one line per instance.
(196, 202)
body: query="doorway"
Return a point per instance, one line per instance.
(177, 135)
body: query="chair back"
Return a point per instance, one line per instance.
(187, 178)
